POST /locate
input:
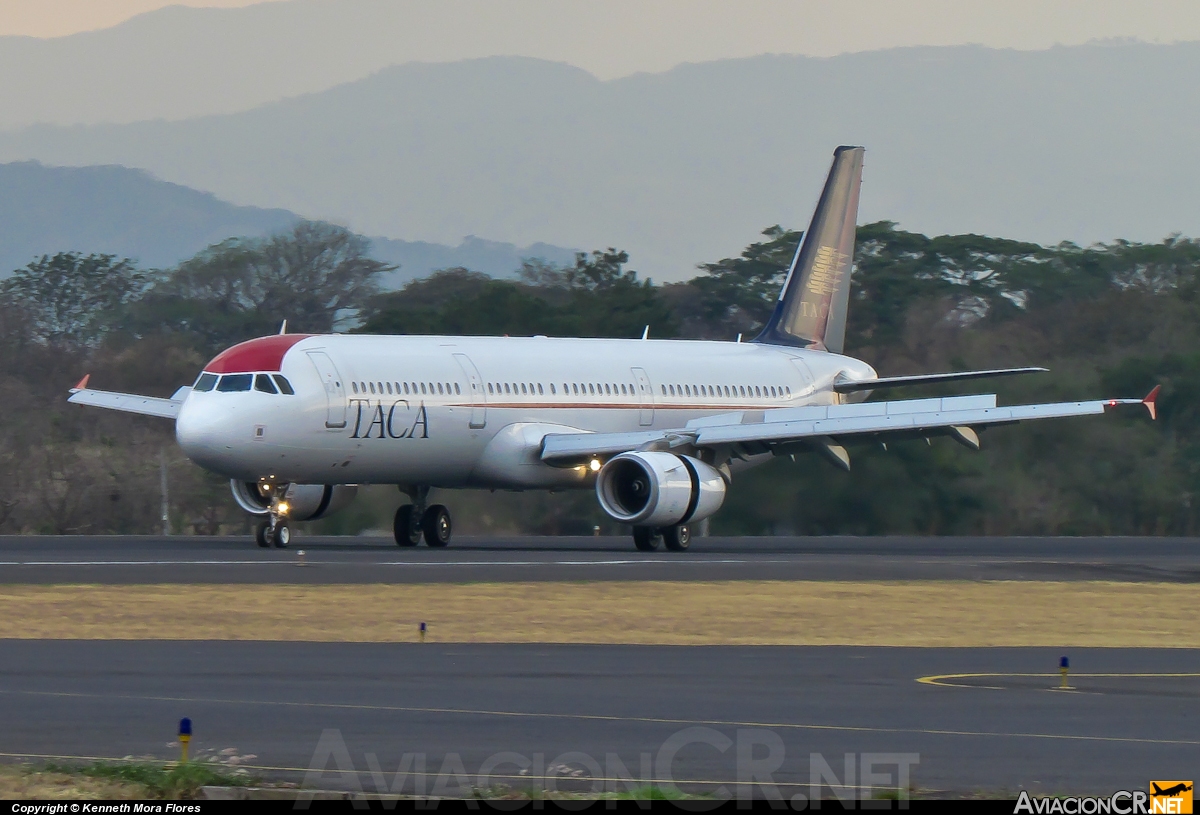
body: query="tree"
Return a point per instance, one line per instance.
(315, 276)
(73, 300)
(736, 295)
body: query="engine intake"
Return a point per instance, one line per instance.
(659, 489)
(306, 502)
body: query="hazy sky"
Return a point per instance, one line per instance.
(696, 30)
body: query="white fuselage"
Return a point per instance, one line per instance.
(471, 411)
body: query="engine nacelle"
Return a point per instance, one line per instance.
(306, 502)
(659, 489)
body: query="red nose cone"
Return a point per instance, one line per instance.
(262, 354)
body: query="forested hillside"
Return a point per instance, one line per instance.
(1108, 320)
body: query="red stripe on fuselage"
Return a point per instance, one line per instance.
(262, 354)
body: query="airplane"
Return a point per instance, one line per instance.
(1170, 792)
(658, 428)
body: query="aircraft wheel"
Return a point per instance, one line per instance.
(282, 536)
(677, 538)
(406, 531)
(436, 525)
(645, 538)
(262, 534)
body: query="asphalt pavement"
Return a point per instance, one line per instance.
(147, 559)
(445, 714)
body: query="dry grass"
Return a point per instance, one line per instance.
(21, 783)
(919, 613)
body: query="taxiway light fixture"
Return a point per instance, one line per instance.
(185, 735)
(422, 629)
(1064, 665)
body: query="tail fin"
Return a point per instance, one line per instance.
(811, 310)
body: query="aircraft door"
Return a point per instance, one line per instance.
(475, 384)
(645, 395)
(335, 390)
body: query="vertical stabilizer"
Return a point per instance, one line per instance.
(811, 310)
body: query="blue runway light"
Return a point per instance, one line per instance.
(1064, 663)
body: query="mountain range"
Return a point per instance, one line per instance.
(1074, 143)
(129, 213)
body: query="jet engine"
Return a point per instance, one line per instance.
(306, 502)
(659, 489)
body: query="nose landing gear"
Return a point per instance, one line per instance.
(275, 530)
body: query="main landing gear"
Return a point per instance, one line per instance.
(415, 521)
(675, 538)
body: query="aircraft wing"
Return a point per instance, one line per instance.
(81, 394)
(824, 427)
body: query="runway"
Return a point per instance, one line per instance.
(439, 717)
(693, 714)
(135, 559)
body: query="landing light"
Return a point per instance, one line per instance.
(283, 508)
(594, 465)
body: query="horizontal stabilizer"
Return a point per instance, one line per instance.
(850, 386)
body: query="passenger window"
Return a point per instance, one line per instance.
(553, 392)
(490, 388)
(540, 391)
(232, 383)
(422, 387)
(522, 388)
(355, 386)
(456, 389)
(389, 387)
(372, 387)
(664, 390)
(439, 387)
(205, 383)
(576, 387)
(263, 383)
(742, 389)
(284, 385)
(772, 390)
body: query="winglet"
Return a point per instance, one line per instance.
(1150, 400)
(82, 383)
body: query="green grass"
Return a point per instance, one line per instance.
(169, 781)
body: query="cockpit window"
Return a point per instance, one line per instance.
(284, 385)
(231, 383)
(263, 383)
(205, 383)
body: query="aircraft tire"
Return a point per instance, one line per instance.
(282, 536)
(435, 523)
(677, 538)
(645, 538)
(261, 533)
(405, 531)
